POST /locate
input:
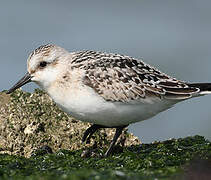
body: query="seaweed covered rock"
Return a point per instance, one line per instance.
(29, 121)
(184, 158)
(31, 125)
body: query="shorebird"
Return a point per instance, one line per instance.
(105, 89)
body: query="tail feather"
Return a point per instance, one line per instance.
(205, 88)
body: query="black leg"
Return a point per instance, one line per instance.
(90, 131)
(116, 136)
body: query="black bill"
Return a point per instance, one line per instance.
(21, 82)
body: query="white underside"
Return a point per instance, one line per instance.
(204, 93)
(86, 105)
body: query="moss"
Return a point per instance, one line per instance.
(162, 160)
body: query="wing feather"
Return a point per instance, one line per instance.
(121, 78)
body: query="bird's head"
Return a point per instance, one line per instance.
(42, 66)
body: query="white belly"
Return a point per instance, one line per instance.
(85, 105)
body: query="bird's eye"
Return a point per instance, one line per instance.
(43, 64)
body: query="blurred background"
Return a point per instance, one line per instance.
(174, 36)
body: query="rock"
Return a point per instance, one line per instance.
(29, 121)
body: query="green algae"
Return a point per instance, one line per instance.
(163, 160)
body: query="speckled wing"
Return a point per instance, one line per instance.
(122, 78)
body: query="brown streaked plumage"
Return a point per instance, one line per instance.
(121, 78)
(44, 49)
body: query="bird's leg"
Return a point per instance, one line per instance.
(116, 136)
(90, 131)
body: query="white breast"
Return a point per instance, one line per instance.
(85, 104)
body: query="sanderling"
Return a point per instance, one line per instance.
(108, 90)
